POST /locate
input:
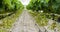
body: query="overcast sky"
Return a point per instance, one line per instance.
(25, 2)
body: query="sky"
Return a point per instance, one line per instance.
(25, 2)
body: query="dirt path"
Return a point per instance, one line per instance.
(25, 23)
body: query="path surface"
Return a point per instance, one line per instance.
(25, 23)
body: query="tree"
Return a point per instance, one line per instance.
(1, 3)
(34, 5)
(10, 5)
(48, 6)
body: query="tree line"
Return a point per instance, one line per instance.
(48, 6)
(10, 5)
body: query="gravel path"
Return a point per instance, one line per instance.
(25, 23)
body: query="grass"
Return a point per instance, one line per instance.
(2, 30)
(42, 20)
(8, 21)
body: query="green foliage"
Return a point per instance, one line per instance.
(34, 5)
(7, 4)
(53, 26)
(40, 18)
(8, 21)
(6, 8)
(10, 5)
(1, 3)
(48, 6)
(3, 30)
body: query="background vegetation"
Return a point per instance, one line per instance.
(42, 10)
(9, 12)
